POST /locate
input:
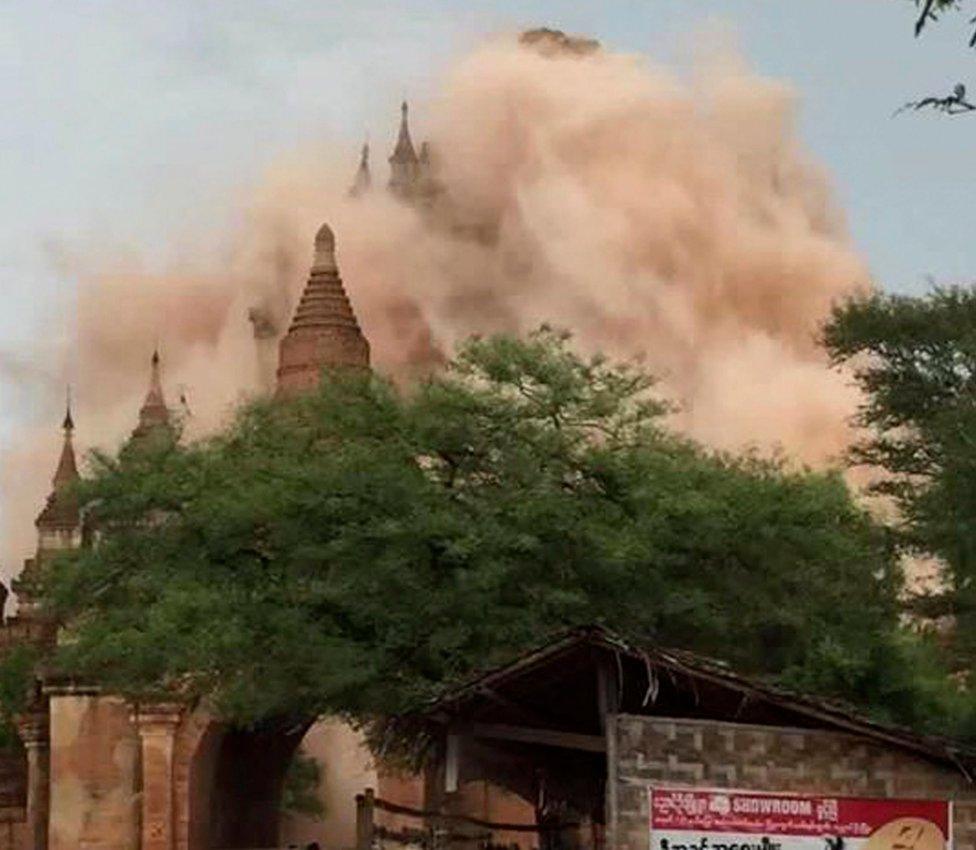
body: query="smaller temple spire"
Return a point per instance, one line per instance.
(427, 188)
(363, 180)
(153, 413)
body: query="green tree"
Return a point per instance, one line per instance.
(300, 791)
(914, 358)
(352, 550)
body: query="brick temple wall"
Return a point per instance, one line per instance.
(95, 781)
(13, 832)
(711, 754)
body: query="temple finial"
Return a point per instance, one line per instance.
(155, 381)
(68, 425)
(324, 258)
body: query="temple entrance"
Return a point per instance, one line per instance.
(235, 785)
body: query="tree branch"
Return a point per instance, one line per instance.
(924, 17)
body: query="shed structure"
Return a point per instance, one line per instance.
(581, 728)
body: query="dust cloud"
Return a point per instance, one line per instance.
(680, 221)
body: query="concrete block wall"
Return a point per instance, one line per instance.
(711, 754)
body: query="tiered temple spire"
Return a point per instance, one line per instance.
(324, 331)
(411, 173)
(404, 164)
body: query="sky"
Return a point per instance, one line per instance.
(133, 129)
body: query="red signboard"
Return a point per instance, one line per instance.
(693, 819)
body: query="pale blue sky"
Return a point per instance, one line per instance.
(134, 124)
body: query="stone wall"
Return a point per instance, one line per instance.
(709, 754)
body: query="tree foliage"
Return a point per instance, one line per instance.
(352, 550)
(300, 790)
(915, 360)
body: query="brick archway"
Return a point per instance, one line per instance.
(228, 781)
(191, 776)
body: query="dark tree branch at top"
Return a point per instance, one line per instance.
(953, 104)
(924, 16)
(929, 10)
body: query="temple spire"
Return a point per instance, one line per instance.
(363, 180)
(324, 332)
(404, 151)
(60, 512)
(58, 524)
(153, 413)
(404, 164)
(67, 470)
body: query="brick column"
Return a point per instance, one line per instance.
(34, 733)
(157, 726)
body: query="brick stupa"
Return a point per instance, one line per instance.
(324, 332)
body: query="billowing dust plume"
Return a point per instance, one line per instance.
(678, 221)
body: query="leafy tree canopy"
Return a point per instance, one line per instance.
(352, 550)
(915, 360)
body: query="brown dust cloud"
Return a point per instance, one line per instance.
(680, 221)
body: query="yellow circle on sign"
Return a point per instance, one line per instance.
(907, 834)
